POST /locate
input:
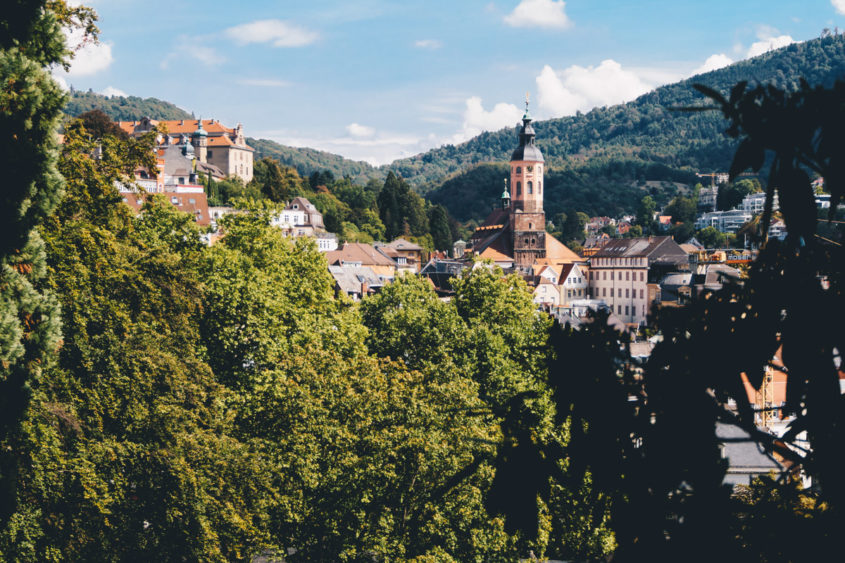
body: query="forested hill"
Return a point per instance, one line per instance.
(123, 108)
(307, 160)
(633, 136)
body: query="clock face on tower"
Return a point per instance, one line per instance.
(529, 168)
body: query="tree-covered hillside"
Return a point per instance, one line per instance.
(645, 129)
(122, 108)
(307, 161)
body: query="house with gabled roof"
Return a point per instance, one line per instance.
(362, 254)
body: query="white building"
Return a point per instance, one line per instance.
(756, 203)
(723, 221)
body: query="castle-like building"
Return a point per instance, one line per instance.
(514, 236)
(219, 151)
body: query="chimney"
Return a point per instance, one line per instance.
(364, 288)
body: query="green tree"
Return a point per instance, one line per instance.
(573, 228)
(401, 210)
(127, 446)
(645, 214)
(438, 218)
(710, 237)
(278, 183)
(731, 195)
(31, 42)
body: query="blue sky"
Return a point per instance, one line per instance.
(377, 80)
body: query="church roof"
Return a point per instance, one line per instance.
(496, 247)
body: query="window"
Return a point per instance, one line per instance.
(641, 276)
(605, 275)
(530, 226)
(210, 153)
(611, 275)
(518, 170)
(641, 294)
(619, 309)
(604, 292)
(518, 187)
(626, 310)
(611, 292)
(539, 187)
(174, 200)
(192, 200)
(627, 276)
(533, 241)
(627, 294)
(530, 187)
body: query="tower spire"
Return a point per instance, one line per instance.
(527, 115)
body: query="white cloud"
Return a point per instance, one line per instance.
(89, 57)
(839, 5)
(382, 148)
(478, 120)
(357, 130)
(767, 42)
(112, 91)
(583, 88)
(264, 82)
(192, 48)
(714, 62)
(277, 32)
(428, 44)
(539, 13)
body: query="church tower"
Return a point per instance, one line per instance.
(527, 218)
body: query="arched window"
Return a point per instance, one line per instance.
(530, 187)
(533, 241)
(530, 226)
(518, 170)
(518, 187)
(539, 187)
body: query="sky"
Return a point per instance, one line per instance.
(377, 80)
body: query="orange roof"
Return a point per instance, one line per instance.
(181, 126)
(222, 140)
